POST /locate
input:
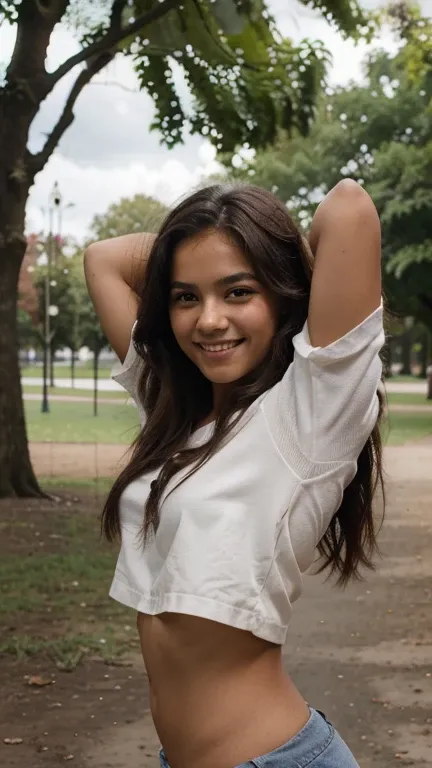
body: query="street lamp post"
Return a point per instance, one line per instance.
(54, 203)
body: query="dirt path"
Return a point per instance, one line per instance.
(364, 656)
(77, 460)
(94, 460)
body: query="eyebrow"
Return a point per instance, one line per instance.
(229, 280)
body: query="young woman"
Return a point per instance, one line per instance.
(255, 368)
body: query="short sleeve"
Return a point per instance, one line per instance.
(326, 406)
(128, 375)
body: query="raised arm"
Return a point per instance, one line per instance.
(345, 238)
(113, 269)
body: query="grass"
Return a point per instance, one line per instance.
(407, 398)
(54, 579)
(75, 423)
(82, 371)
(99, 486)
(117, 424)
(405, 379)
(75, 392)
(406, 427)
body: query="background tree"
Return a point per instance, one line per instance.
(381, 135)
(95, 339)
(28, 335)
(137, 214)
(245, 80)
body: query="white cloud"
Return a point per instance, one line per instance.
(92, 189)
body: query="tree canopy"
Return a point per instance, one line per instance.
(245, 78)
(246, 81)
(137, 214)
(380, 134)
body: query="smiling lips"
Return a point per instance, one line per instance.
(221, 347)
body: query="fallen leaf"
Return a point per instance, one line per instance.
(39, 681)
(13, 741)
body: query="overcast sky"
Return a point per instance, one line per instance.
(109, 151)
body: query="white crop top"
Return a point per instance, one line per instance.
(235, 538)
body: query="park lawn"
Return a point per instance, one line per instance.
(55, 574)
(118, 424)
(75, 423)
(406, 427)
(82, 371)
(393, 398)
(407, 398)
(405, 379)
(75, 392)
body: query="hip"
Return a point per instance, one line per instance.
(316, 745)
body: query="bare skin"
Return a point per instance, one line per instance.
(219, 695)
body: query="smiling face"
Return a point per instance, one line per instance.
(222, 317)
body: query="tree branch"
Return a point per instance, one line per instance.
(116, 13)
(426, 301)
(36, 162)
(113, 36)
(113, 83)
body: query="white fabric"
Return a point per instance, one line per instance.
(235, 538)
(128, 375)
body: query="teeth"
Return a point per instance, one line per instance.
(219, 347)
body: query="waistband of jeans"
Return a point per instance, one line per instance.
(305, 746)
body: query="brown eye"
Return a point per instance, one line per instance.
(183, 297)
(241, 293)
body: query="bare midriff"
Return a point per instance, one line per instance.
(219, 696)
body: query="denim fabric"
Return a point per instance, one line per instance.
(317, 745)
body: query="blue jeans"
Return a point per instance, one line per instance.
(316, 745)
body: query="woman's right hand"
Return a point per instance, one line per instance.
(113, 271)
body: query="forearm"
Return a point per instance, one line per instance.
(124, 257)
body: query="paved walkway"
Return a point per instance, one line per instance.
(80, 399)
(401, 407)
(407, 387)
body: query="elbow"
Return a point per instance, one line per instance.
(90, 251)
(350, 189)
(90, 262)
(91, 254)
(351, 198)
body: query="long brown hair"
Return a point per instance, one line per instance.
(175, 394)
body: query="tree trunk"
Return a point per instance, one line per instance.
(429, 383)
(424, 355)
(429, 368)
(406, 344)
(51, 361)
(73, 368)
(387, 355)
(16, 473)
(96, 353)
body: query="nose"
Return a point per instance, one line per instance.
(212, 318)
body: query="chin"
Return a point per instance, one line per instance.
(221, 379)
(224, 377)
